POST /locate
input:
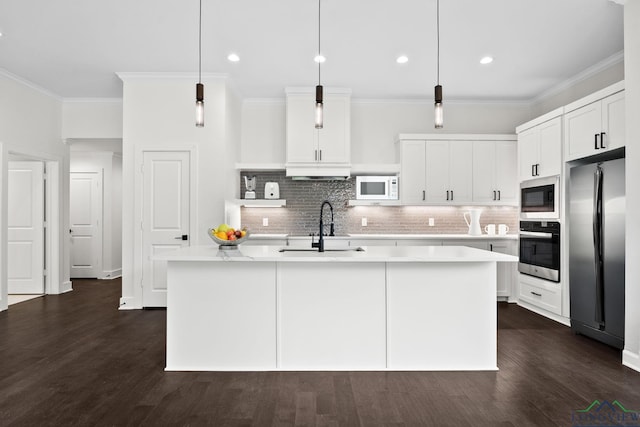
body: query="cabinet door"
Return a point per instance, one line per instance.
(301, 131)
(437, 171)
(506, 181)
(550, 149)
(528, 149)
(582, 126)
(412, 188)
(506, 270)
(613, 121)
(484, 158)
(333, 138)
(460, 171)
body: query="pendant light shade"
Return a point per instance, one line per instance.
(319, 112)
(438, 110)
(199, 85)
(439, 114)
(199, 105)
(319, 106)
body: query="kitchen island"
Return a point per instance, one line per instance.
(382, 308)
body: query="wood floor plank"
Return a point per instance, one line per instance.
(75, 359)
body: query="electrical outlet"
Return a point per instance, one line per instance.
(265, 222)
(431, 222)
(364, 221)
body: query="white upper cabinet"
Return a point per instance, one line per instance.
(495, 172)
(540, 150)
(454, 170)
(316, 148)
(448, 172)
(596, 127)
(435, 172)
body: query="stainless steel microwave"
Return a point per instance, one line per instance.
(540, 198)
(371, 187)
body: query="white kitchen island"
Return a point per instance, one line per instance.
(384, 308)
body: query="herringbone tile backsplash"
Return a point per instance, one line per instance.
(301, 215)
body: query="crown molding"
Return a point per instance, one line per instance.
(589, 72)
(29, 84)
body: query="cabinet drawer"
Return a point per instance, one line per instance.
(541, 294)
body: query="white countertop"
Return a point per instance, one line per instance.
(389, 237)
(266, 253)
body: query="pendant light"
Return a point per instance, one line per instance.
(438, 112)
(199, 85)
(319, 112)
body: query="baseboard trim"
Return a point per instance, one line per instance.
(66, 287)
(560, 319)
(631, 360)
(128, 303)
(111, 274)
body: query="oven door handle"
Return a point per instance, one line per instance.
(537, 234)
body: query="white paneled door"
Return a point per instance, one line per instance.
(85, 218)
(165, 223)
(26, 228)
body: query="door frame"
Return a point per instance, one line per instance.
(53, 248)
(138, 214)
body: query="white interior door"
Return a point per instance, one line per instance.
(166, 199)
(26, 228)
(85, 217)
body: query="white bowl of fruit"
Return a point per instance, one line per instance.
(228, 237)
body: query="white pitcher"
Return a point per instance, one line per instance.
(473, 222)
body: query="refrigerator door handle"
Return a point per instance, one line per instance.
(597, 246)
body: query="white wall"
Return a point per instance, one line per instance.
(109, 166)
(30, 124)
(375, 125)
(159, 113)
(100, 118)
(631, 354)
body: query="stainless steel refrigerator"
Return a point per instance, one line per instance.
(596, 250)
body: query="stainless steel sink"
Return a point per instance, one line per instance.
(356, 249)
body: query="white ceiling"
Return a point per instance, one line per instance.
(73, 48)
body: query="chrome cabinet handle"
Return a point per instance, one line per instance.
(602, 134)
(536, 294)
(424, 195)
(447, 194)
(595, 143)
(183, 237)
(499, 196)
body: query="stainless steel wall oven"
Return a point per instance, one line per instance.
(540, 249)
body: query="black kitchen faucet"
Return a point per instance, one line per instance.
(320, 243)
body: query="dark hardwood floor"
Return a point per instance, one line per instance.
(74, 359)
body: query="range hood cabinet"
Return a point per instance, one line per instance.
(318, 153)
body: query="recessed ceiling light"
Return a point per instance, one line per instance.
(402, 59)
(486, 60)
(320, 58)
(233, 57)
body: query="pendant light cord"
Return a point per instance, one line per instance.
(200, 44)
(438, 38)
(319, 54)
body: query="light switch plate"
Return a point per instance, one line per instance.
(265, 222)
(364, 222)
(431, 222)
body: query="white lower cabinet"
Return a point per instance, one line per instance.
(541, 293)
